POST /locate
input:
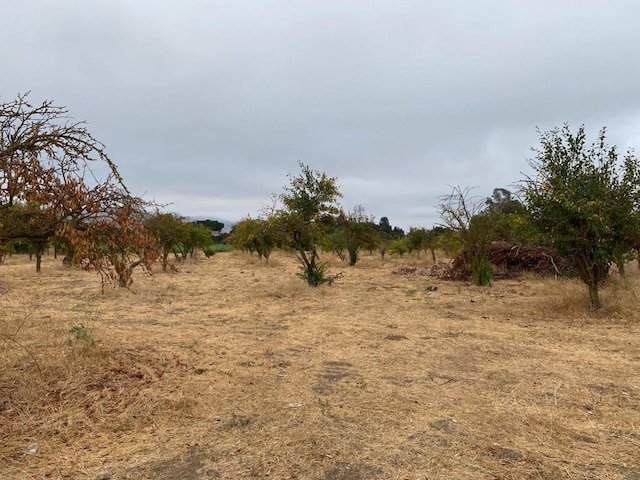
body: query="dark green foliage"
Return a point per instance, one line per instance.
(220, 248)
(212, 225)
(314, 274)
(209, 251)
(385, 236)
(397, 233)
(584, 202)
(384, 226)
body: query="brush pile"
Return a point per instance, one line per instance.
(509, 260)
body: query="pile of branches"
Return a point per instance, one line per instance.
(517, 258)
(508, 259)
(511, 259)
(439, 270)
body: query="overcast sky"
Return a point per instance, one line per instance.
(209, 104)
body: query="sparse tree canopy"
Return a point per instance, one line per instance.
(463, 214)
(56, 179)
(584, 201)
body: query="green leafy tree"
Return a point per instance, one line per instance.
(448, 241)
(309, 204)
(398, 247)
(422, 239)
(386, 234)
(199, 236)
(508, 216)
(255, 235)
(213, 225)
(334, 240)
(170, 230)
(584, 202)
(358, 231)
(216, 228)
(417, 240)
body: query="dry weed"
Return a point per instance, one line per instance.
(234, 369)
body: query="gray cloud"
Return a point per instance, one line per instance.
(209, 104)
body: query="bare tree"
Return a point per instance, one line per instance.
(463, 214)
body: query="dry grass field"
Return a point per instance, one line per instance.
(233, 369)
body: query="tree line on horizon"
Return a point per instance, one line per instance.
(583, 201)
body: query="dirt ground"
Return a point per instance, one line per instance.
(232, 369)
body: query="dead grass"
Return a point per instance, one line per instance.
(232, 368)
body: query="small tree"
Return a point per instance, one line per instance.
(417, 240)
(462, 214)
(398, 247)
(169, 230)
(47, 185)
(448, 241)
(358, 230)
(308, 205)
(254, 235)
(584, 202)
(335, 241)
(199, 236)
(120, 240)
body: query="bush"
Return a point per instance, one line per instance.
(398, 247)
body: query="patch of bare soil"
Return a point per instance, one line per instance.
(235, 369)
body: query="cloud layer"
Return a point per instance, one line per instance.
(210, 104)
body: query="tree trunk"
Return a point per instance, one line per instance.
(353, 257)
(594, 297)
(39, 249)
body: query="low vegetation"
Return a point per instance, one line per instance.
(233, 368)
